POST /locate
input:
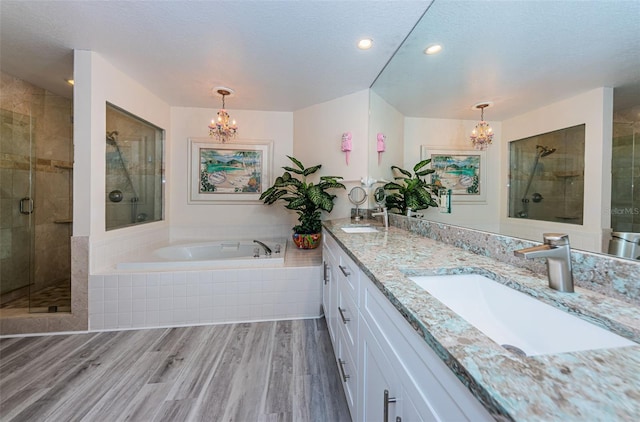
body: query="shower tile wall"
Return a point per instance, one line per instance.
(53, 135)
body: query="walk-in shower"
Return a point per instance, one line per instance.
(546, 177)
(36, 185)
(134, 170)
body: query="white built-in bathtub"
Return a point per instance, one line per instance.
(180, 285)
(216, 254)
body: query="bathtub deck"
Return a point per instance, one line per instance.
(265, 371)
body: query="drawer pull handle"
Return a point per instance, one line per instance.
(325, 275)
(344, 270)
(345, 377)
(387, 400)
(344, 320)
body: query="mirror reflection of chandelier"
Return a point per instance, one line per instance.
(220, 128)
(482, 135)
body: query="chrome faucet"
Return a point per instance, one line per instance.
(267, 250)
(557, 250)
(385, 216)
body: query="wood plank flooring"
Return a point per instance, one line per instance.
(262, 372)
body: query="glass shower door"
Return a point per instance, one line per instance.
(16, 210)
(36, 164)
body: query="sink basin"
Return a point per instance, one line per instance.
(515, 320)
(363, 229)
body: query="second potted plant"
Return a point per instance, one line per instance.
(306, 198)
(413, 193)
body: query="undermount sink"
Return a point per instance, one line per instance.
(514, 320)
(363, 229)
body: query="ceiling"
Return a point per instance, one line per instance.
(275, 55)
(288, 55)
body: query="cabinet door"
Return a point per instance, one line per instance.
(376, 377)
(412, 407)
(348, 374)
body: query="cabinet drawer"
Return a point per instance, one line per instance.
(347, 271)
(348, 319)
(349, 276)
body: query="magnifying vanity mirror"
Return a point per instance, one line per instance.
(379, 196)
(357, 196)
(586, 74)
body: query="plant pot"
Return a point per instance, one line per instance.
(307, 241)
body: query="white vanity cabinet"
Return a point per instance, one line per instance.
(387, 368)
(340, 299)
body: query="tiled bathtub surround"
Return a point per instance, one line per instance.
(159, 299)
(610, 276)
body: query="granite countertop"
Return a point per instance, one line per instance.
(589, 385)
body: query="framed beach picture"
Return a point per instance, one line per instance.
(228, 173)
(462, 171)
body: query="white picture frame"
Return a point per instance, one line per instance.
(229, 173)
(463, 171)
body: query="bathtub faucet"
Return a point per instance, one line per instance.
(557, 251)
(267, 250)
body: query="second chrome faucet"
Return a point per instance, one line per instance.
(557, 251)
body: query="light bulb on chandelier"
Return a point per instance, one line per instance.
(223, 128)
(482, 135)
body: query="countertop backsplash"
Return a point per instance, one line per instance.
(614, 277)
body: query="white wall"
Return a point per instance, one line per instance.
(449, 134)
(318, 133)
(595, 109)
(96, 83)
(219, 221)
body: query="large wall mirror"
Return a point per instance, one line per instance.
(523, 58)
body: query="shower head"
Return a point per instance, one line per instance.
(111, 137)
(543, 151)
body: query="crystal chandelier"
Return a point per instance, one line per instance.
(220, 128)
(482, 135)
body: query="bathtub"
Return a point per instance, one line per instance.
(209, 255)
(181, 285)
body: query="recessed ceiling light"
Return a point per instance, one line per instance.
(433, 49)
(70, 81)
(365, 43)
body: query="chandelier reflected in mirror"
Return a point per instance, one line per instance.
(222, 127)
(482, 135)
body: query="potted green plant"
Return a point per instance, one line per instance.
(413, 192)
(306, 198)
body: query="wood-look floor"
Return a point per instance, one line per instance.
(268, 371)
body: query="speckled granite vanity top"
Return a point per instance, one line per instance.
(593, 385)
